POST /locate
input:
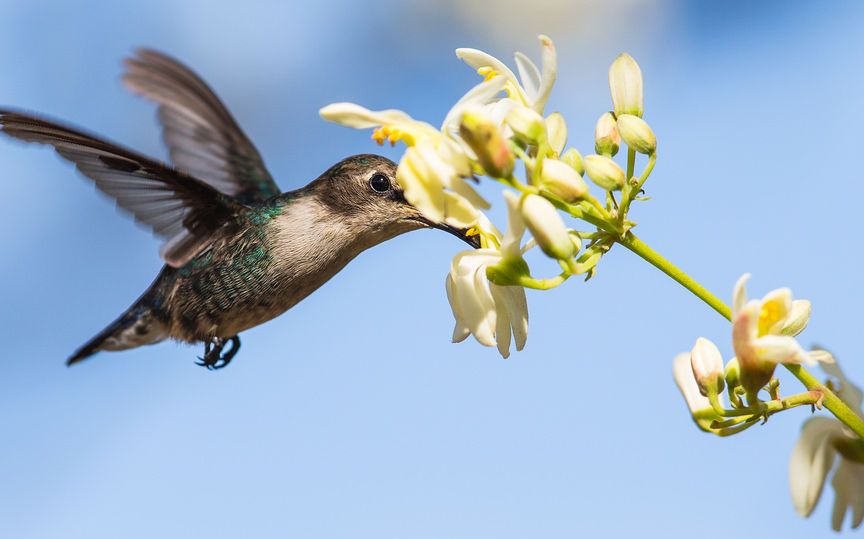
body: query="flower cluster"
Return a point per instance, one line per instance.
(763, 336)
(495, 125)
(500, 129)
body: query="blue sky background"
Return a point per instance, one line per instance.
(352, 415)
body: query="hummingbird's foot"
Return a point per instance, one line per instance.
(214, 358)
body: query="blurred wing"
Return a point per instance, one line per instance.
(202, 136)
(183, 210)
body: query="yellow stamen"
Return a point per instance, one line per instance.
(379, 135)
(487, 73)
(391, 135)
(769, 315)
(487, 239)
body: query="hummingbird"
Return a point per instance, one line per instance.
(238, 251)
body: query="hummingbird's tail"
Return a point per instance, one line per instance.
(135, 327)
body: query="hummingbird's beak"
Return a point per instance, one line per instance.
(462, 233)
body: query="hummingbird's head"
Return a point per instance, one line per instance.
(363, 191)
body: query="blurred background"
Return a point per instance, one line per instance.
(352, 415)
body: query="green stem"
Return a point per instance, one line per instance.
(830, 401)
(633, 190)
(543, 284)
(658, 261)
(631, 162)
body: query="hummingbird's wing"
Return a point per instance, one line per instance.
(180, 208)
(202, 137)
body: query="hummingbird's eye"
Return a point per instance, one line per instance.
(379, 183)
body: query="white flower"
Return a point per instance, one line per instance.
(490, 312)
(533, 87)
(760, 334)
(434, 168)
(814, 456)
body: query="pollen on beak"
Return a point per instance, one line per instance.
(464, 234)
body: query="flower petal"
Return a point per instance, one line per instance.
(776, 306)
(683, 374)
(849, 392)
(472, 304)
(781, 349)
(460, 332)
(550, 73)
(812, 458)
(482, 94)
(478, 59)
(513, 298)
(797, 319)
(458, 211)
(706, 362)
(502, 326)
(745, 325)
(821, 356)
(848, 483)
(528, 74)
(515, 227)
(423, 190)
(484, 326)
(352, 115)
(739, 294)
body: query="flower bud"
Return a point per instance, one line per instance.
(732, 373)
(488, 144)
(606, 137)
(562, 180)
(637, 134)
(797, 319)
(577, 241)
(556, 130)
(707, 365)
(573, 158)
(527, 125)
(604, 172)
(547, 227)
(625, 83)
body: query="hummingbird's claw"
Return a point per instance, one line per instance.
(213, 358)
